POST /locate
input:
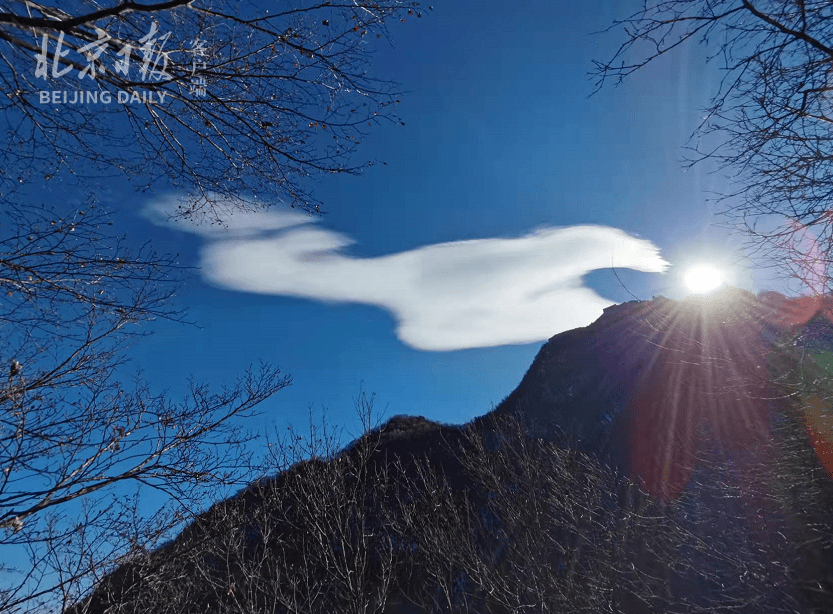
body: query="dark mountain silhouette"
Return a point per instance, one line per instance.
(650, 385)
(671, 456)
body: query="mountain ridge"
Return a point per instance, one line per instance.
(695, 407)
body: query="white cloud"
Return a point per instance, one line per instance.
(240, 217)
(448, 296)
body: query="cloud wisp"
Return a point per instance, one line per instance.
(447, 296)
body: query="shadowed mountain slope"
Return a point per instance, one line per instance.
(673, 456)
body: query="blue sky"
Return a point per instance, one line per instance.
(500, 141)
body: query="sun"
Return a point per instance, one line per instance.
(703, 278)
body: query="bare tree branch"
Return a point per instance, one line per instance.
(211, 97)
(769, 122)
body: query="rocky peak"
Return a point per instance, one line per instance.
(653, 386)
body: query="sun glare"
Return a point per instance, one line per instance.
(703, 278)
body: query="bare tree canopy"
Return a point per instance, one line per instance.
(770, 120)
(210, 96)
(77, 442)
